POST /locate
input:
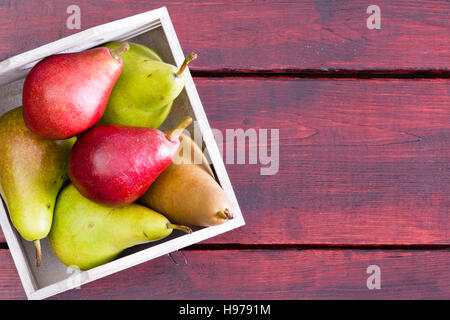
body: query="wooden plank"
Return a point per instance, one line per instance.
(265, 274)
(281, 35)
(361, 161)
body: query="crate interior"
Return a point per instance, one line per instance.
(52, 270)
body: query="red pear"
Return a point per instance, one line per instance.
(115, 164)
(66, 94)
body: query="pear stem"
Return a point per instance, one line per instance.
(38, 251)
(176, 132)
(120, 50)
(192, 56)
(179, 227)
(228, 213)
(225, 214)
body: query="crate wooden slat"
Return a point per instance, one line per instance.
(267, 35)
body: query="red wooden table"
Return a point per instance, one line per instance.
(363, 117)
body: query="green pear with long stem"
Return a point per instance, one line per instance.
(144, 93)
(32, 172)
(86, 234)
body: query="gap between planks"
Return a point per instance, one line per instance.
(238, 246)
(325, 74)
(287, 246)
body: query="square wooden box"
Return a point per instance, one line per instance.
(154, 29)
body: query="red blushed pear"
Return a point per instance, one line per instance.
(115, 164)
(66, 94)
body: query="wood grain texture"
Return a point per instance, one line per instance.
(10, 285)
(361, 161)
(267, 35)
(265, 274)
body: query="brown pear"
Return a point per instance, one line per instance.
(190, 153)
(187, 192)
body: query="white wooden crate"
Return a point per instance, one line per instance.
(154, 29)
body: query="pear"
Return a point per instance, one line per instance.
(120, 112)
(187, 192)
(144, 93)
(32, 171)
(86, 234)
(66, 94)
(113, 164)
(190, 153)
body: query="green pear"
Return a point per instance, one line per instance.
(86, 234)
(144, 93)
(32, 171)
